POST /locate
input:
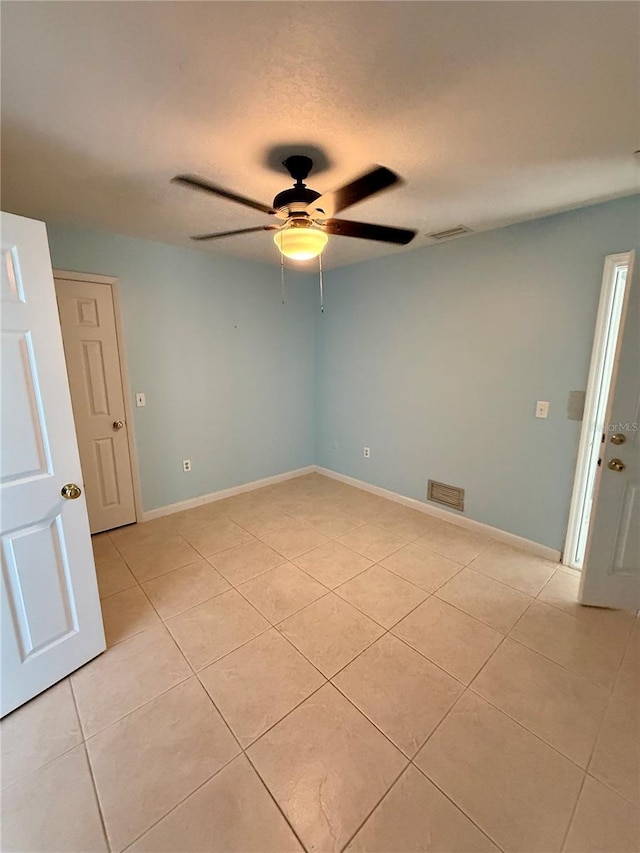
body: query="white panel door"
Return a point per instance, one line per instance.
(51, 619)
(90, 342)
(611, 572)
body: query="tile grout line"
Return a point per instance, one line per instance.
(378, 802)
(277, 625)
(458, 807)
(584, 770)
(504, 637)
(477, 618)
(290, 615)
(469, 568)
(573, 813)
(330, 680)
(557, 663)
(326, 681)
(236, 588)
(274, 800)
(49, 761)
(103, 822)
(552, 660)
(523, 726)
(243, 750)
(194, 674)
(292, 559)
(412, 762)
(143, 704)
(469, 688)
(367, 615)
(136, 709)
(562, 569)
(386, 631)
(177, 805)
(596, 741)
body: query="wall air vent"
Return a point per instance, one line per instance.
(450, 496)
(458, 231)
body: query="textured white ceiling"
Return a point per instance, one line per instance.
(492, 112)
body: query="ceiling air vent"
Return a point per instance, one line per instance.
(458, 231)
(451, 496)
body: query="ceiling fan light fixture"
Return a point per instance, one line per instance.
(300, 242)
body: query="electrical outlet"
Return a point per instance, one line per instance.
(542, 409)
(367, 452)
(186, 465)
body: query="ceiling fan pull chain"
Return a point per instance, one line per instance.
(321, 284)
(282, 275)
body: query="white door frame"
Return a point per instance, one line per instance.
(113, 283)
(603, 354)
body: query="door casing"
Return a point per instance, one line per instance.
(611, 572)
(610, 314)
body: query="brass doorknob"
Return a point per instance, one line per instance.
(118, 424)
(70, 491)
(618, 438)
(616, 465)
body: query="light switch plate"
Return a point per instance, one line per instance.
(542, 409)
(140, 399)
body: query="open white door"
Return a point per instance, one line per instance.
(611, 572)
(51, 619)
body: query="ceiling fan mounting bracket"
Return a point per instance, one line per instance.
(298, 166)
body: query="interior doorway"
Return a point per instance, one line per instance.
(594, 427)
(88, 306)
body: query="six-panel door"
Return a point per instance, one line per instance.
(90, 342)
(51, 618)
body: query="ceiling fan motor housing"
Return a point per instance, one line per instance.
(295, 200)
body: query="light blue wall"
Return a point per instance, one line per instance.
(227, 369)
(435, 359)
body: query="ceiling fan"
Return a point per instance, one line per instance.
(307, 217)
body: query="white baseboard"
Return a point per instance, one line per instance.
(225, 493)
(468, 523)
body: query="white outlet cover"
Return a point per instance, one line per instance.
(141, 400)
(542, 409)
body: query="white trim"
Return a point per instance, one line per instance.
(92, 278)
(594, 417)
(225, 493)
(128, 408)
(112, 282)
(468, 523)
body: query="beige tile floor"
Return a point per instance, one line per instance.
(309, 666)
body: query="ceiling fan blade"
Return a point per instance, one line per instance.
(197, 183)
(232, 233)
(366, 231)
(366, 185)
